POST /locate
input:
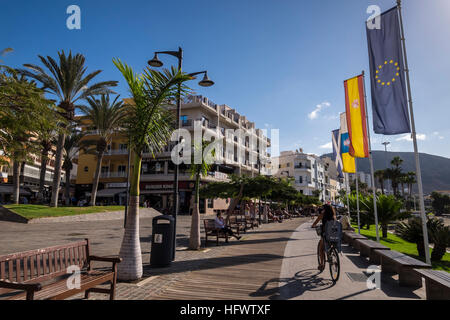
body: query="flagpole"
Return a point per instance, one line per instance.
(357, 194)
(347, 184)
(371, 161)
(413, 129)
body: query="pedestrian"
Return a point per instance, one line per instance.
(220, 224)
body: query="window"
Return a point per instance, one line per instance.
(122, 146)
(210, 203)
(300, 179)
(121, 168)
(86, 169)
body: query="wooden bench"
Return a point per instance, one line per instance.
(350, 237)
(251, 221)
(238, 223)
(402, 264)
(43, 273)
(367, 249)
(211, 230)
(437, 283)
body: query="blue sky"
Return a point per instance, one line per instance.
(274, 61)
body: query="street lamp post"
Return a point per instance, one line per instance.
(155, 62)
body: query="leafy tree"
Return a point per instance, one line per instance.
(65, 80)
(105, 116)
(148, 125)
(22, 110)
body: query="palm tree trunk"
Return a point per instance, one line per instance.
(382, 186)
(57, 172)
(384, 230)
(43, 170)
(130, 251)
(16, 182)
(96, 177)
(68, 186)
(194, 239)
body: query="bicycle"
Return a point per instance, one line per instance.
(331, 256)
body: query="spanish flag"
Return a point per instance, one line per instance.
(355, 110)
(348, 162)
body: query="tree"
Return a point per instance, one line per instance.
(388, 210)
(441, 240)
(66, 81)
(148, 125)
(5, 51)
(395, 173)
(23, 109)
(441, 203)
(198, 170)
(380, 176)
(70, 151)
(105, 117)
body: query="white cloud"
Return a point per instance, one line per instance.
(441, 138)
(315, 113)
(407, 137)
(436, 133)
(328, 145)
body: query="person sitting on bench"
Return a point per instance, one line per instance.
(220, 224)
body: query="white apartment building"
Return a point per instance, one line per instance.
(310, 173)
(363, 177)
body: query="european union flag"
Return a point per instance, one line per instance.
(389, 102)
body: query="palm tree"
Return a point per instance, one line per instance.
(198, 170)
(149, 125)
(388, 210)
(410, 180)
(70, 151)
(105, 116)
(380, 176)
(66, 81)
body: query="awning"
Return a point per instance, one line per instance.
(108, 193)
(8, 189)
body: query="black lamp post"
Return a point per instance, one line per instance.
(205, 82)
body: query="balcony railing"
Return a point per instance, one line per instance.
(118, 174)
(116, 152)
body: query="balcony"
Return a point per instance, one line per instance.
(116, 152)
(117, 174)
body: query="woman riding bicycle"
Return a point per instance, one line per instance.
(327, 213)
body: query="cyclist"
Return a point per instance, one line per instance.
(326, 213)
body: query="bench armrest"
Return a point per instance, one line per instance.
(105, 259)
(21, 286)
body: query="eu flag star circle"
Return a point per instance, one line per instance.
(387, 73)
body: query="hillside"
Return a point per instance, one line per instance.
(435, 169)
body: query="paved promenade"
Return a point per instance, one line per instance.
(275, 261)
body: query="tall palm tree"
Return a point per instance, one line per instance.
(380, 176)
(65, 80)
(411, 179)
(105, 116)
(198, 170)
(70, 150)
(149, 125)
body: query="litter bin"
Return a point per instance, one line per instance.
(162, 241)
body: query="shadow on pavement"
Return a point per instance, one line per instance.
(305, 280)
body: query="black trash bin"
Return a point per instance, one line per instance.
(162, 241)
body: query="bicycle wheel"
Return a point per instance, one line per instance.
(318, 258)
(335, 266)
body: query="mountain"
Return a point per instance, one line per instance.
(435, 169)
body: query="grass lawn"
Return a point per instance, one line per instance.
(32, 211)
(398, 244)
